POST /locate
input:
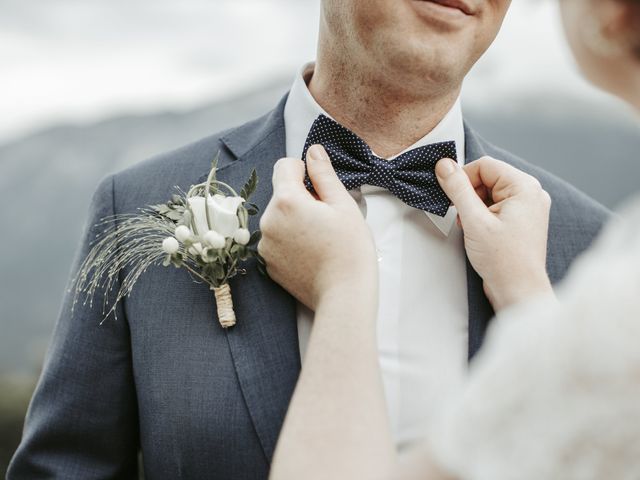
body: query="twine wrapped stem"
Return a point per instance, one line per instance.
(224, 304)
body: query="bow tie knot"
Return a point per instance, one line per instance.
(381, 173)
(410, 176)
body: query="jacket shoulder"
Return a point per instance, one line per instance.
(562, 192)
(575, 219)
(154, 179)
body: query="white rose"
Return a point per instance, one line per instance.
(214, 239)
(223, 214)
(242, 236)
(183, 233)
(170, 245)
(199, 214)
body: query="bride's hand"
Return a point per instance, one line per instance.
(504, 214)
(313, 246)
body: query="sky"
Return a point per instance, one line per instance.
(76, 61)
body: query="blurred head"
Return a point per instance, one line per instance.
(605, 38)
(410, 46)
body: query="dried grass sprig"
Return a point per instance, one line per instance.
(203, 231)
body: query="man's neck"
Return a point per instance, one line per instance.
(388, 120)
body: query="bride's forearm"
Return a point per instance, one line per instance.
(337, 425)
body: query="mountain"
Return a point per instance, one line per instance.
(47, 178)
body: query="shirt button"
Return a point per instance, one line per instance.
(379, 254)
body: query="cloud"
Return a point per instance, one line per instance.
(78, 61)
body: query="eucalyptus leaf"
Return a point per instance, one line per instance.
(174, 215)
(250, 186)
(162, 208)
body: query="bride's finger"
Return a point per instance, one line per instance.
(459, 189)
(323, 176)
(288, 176)
(494, 174)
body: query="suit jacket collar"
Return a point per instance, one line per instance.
(264, 343)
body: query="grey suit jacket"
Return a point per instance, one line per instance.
(199, 401)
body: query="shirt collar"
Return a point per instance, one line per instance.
(301, 110)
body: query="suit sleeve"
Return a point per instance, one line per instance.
(82, 420)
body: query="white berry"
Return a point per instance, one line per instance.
(170, 245)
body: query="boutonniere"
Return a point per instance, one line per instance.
(204, 231)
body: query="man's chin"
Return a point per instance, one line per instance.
(431, 57)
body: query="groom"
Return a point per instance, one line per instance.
(202, 402)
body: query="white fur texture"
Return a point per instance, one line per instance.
(555, 393)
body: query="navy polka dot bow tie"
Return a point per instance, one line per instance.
(410, 177)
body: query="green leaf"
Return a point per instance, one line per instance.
(243, 216)
(217, 271)
(250, 186)
(255, 237)
(161, 208)
(186, 218)
(174, 215)
(262, 267)
(214, 163)
(252, 208)
(212, 255)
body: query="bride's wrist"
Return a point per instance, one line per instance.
(354, 294)
(505, 293)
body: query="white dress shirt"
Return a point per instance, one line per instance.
(422, 322)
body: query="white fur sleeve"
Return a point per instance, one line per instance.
(555, 392)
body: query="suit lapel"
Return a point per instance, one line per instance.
(480, 310)
(264, 342)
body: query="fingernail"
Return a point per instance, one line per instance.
(446, 167)
(317, 153)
